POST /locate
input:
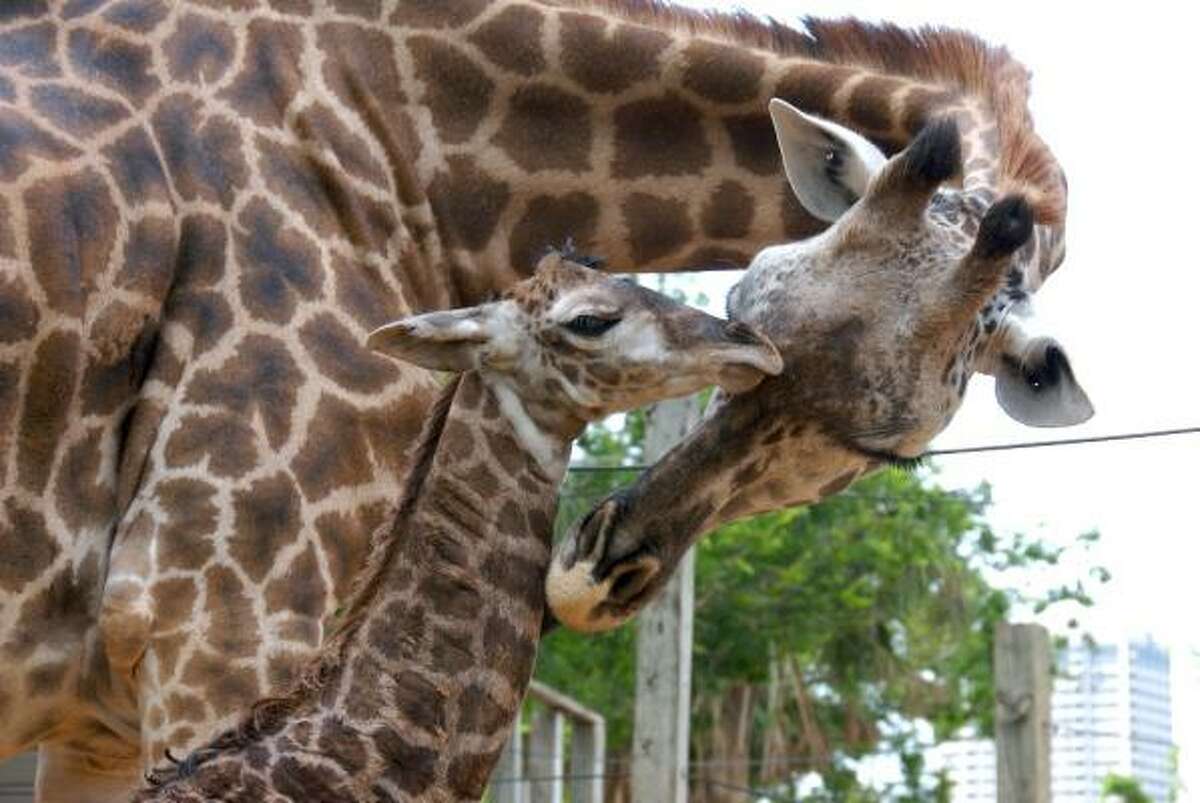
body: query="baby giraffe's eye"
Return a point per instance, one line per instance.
(590, 325)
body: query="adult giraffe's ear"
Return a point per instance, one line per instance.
(828, 165)
(454, 340)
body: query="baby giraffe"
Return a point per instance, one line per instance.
(413, 696)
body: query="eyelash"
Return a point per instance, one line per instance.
(591, 325)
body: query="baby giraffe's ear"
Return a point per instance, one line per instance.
(455, 340)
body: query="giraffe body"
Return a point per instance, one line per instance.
(206, 206)
(417, 691)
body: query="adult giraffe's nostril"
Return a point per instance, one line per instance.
(630, 581)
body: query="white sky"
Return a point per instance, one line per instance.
(1115, 98)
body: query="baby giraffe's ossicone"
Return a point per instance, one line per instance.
(415, 693)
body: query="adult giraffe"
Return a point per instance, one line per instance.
(206, 206)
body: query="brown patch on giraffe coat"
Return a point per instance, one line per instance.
(660, 136)
(323, 198)
(72, 110)
(515, 577)
(139, 16)
(10, 382)
(174, 602)
(656, 226)
(30, 50)
(19, 314)
(451, 596)
(837, 484)
(359, 64)
(271, 73)
(299, 589)
(342, 743)
(479, 713)
(755, 147)
(232, 627)
(454, 652)
(457, 91)
(202, 250)
(510, 653)
(27, 546)
(184, 707)
(8, 241)
(811, 86)
(200, 50)
(135, 166)
(467, 203)
(546, 128)
(57, 617)
(267, 519)
(410, 767)
(205, 161)
(548, 220)
(722, 73)
(83, 495)
(320, 125)
(919, 103)
(278, 264)
(72, 230)
(600, 62)
(50, 388)
(45, 679)
(364, 293)
(468, 773)
(336, 451)
(261, 378)
(228, 687)
(728, 212)
(149, 258)
(436, 13)
(398, 631)
(707, 256)
(367, 9)
(343, 539)
(870, 103)
(421, 703)
(225, 439)
(185, 538)
(513, 40)
(117, 63)
(296, 7)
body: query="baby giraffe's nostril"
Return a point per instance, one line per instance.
(631, 580)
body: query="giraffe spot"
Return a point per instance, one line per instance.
(45, 679)
(150, 255)
(811, 86)
(184, 707)
(72, 230)
(134, 165)
(920, 104)
(225, 439)
(410, 767)
(451, 597)
(539, 523)
(728, 213)
(546, 128)
(480, 714)
(454, 653)
(271, 73)
(362, 63)
(300, 588)
(510, 652)
(116, 63)
(205, 314)
(468, 773)
(185, 539)
(457, 92)
(225, 686)
(662, 136)
(19, 314)
(548, 220)
(56, 618)
(367, 9)
(267, 519)
(260, 378)
(10, 383)
(72, 9)
(722, 73)
(870, 103)
(797, 223)
(343, 539)
(174, 601)
(513, 459)
(481, 480)
(232, 627)
(837, 484)
(755, 147)
(278, 264)
(29, 51)
(298, 7)
(610, 63)
(306, 631)
(421, 703)
(335, 453)
(320, 125)
(75, 111)
(342, 743)
(323, 198)
(139, 16)
(436, 13)
(201, 254)
(83, 494)
(467, 203)
(513, 40)
(363, 292)
(27, 546)
(390, 635)
(205, 162)
(16, 9)
(200, 50)
(656, 226)
(514, 577)
(50, 387)
(715, 256)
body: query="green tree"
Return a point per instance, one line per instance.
(1123, 788)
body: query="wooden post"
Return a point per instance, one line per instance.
(1023, 685)
(664, 649)
(545, 759)
(587, 761)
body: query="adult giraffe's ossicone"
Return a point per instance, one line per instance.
(922, 279)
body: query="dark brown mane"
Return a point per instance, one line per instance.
(955, 59)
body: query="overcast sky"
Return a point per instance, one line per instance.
(1114, 96)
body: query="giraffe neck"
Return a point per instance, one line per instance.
(416, 692)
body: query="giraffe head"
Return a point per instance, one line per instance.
(880, 320)
(575, 344)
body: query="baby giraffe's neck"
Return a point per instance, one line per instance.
(415, 694)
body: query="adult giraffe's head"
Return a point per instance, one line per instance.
(921, 279)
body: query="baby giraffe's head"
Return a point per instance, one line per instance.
(574, 344)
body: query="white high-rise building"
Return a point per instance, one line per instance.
(1111, 714)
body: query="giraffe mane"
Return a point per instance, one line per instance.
(955, 59)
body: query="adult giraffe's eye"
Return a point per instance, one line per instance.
(590, 325)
